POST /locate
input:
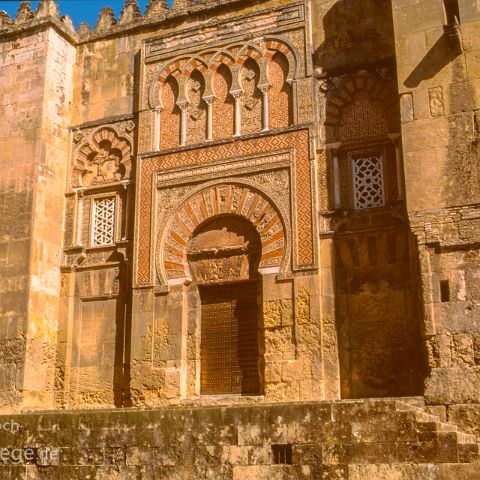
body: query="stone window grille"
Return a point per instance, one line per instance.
(368, 182)
(103, 228)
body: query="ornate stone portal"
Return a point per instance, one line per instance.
(255, 202)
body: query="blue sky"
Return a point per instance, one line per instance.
(79, 10)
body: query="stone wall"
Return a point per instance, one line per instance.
(380, 347)
(18, 147)
(307, 441)
(348, 35)
(438, 81)
(34, 147)
(139, 120)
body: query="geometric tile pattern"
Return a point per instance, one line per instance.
(364, 117)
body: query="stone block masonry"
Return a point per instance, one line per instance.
(347, 440)
(227, 226)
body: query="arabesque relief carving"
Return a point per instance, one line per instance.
(104, 156)
(224, 250)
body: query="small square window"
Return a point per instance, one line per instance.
(282, 454)
(103, 225)
(368, 184)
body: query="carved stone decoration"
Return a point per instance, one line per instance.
(180, 4)
(363, 118)
(130, 12)
(99, 283)
(225, 162)
(106, 20)
(47, 8)
(104, 158)
(68, 22)
(5, 20)
(219, 93)
(279, 93)
(360, 106)
(251, 98)
(84, 29)
(24, 13)
(103, 228)
(368, 182)
(197, 115)
(224, 250)
(223, 105)
(238, 201)
(156, 7)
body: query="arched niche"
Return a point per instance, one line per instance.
(280, 92)
(170, 115)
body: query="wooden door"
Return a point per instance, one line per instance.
(229, 339)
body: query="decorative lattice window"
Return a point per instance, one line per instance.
(103, 227)
(368, 184)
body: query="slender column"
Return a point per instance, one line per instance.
(183, 124)
(334, 148)
(395, 138)
(158, 126)
(209, 102)
(265, 108)
(79, 229)
(238, 113)
(125, 207)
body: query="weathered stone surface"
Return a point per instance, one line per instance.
(236, 442)
(325, 152)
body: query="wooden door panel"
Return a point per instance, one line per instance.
(229, 344)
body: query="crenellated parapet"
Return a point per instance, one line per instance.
(130, 12)
(24, 13)
(107, 24)
(106, 20)
(46, 12)
(156, 8)
(5, 20)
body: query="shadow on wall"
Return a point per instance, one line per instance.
(357, 33)
(444, 51)
(378, 313)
